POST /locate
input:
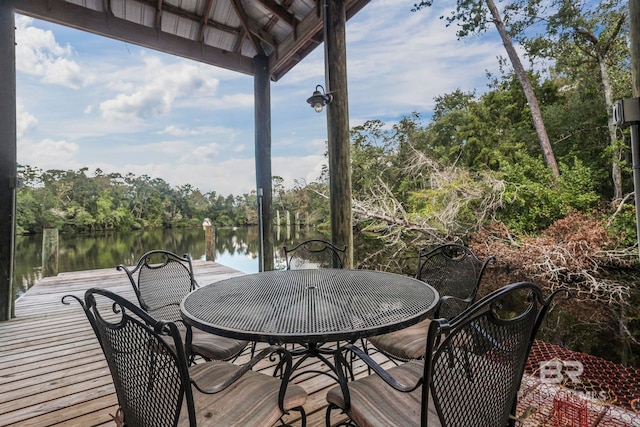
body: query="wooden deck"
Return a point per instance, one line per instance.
(53, 373)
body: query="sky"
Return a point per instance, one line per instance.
(90, 101)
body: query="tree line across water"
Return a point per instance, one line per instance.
(474, 171)
(79, 202)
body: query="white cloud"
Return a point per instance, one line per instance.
(48, 154)
(154, 88)
(413, 58)
(38, 54)
(179, 132)
(201, 154)
(25, 122)
(238, 100)
(201, 132)
(234, 176)
(291, 169)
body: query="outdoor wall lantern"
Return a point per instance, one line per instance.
(319, 99)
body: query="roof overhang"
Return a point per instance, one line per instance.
(223, 33)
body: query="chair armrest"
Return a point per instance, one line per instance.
(243, 369)
(343, 369)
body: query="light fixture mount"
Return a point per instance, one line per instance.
(319, 99)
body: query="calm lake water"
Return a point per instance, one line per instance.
(235, 247)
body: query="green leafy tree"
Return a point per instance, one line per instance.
(586, 40)
(475, 17)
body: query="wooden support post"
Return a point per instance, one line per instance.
(262, 93)
(50, 252)
(338, 126)
(8, 162)
(634, 32)
(209, 240)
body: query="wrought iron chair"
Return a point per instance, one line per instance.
(160, 280)
(314, 253)
(455, 271)
(470, 375)
(155, 386)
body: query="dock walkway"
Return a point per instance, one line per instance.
(52, 371)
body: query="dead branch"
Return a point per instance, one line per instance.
(449, 193)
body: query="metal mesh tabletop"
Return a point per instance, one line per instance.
(309, 306)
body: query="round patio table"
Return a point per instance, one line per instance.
(309, 306)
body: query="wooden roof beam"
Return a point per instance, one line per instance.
(244, 19)
(205, 19)
(193, 17)
(106, 6)
(159, 15)
(280, 12)
(293, 45)
(82, 18)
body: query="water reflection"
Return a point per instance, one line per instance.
(234, 247)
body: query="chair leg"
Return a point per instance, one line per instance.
(347, 423)
(303, 417)
(330, 408)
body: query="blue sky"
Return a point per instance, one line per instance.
(89, 101)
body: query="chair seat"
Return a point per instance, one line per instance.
(250, 401)
(406, 344)
(375, 404)
(210, 346)
(215, 347)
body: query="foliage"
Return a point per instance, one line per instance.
(534, 202)
(74, 202)
(588, 45)
(579, 253)
(475, 17)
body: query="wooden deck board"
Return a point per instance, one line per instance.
(53, 373)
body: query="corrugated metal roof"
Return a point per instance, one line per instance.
(225, 33)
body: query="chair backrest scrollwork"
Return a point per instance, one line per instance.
(160, 280)
(314, 253)
(475, 364)
(455, 271)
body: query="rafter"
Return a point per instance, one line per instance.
(159, 15)
(280, 12)
(303, 40)
(193, 17)
(205, 19)
(269, 25)
(247, 25)
(106, 6)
